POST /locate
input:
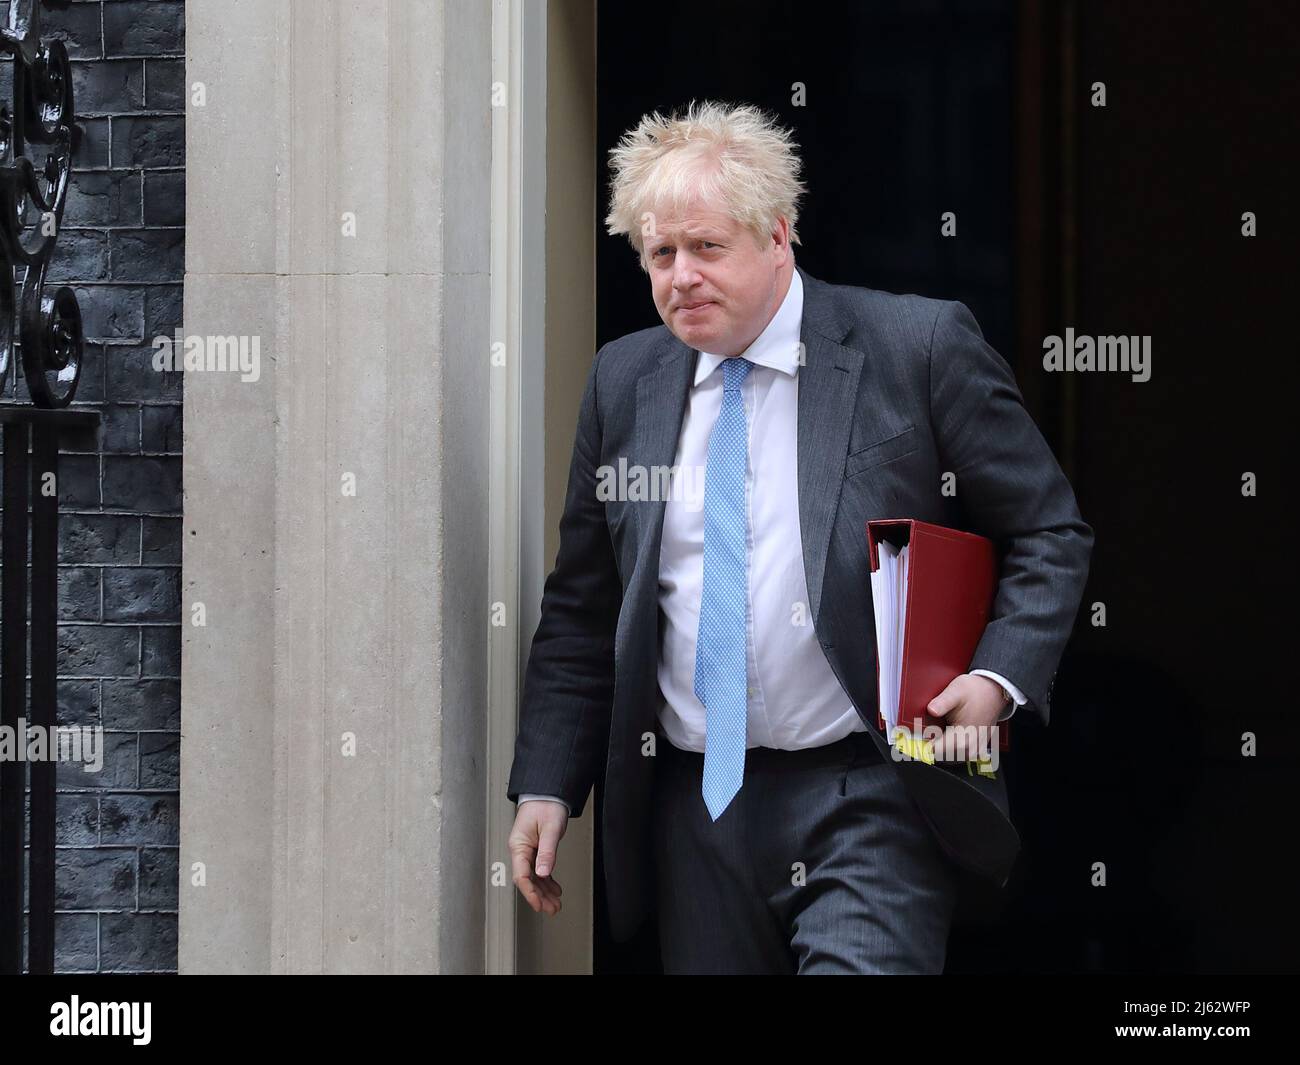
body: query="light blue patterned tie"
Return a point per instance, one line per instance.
(721, 678)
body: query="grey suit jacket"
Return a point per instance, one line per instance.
(895, 391)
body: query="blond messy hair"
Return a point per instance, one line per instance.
(737, 157)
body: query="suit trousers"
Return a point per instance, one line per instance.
(821, 864)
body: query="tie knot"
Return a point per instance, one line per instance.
(734, 371)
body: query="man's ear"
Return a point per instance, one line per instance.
(780, 235)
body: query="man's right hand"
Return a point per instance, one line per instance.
(539, 826)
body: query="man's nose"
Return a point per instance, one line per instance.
(686, 274)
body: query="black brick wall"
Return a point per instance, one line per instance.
(121, 248)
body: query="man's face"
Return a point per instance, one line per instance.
(705, 257)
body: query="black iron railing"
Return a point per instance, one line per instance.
(38, 139)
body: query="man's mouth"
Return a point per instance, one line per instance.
(694, 306)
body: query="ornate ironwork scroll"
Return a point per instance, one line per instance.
(31, 208)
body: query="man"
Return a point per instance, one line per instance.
(716, 657)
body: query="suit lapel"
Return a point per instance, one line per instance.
(828, 390)
(661, 397)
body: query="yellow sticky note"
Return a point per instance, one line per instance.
(915, 747)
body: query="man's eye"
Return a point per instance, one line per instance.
(709, 243)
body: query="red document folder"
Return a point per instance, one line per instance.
(952, 576)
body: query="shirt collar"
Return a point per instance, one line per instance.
(776, 346)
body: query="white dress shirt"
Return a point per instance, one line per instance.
(795, 700)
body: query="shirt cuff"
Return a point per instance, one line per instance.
(551, 798)
(1017, 696)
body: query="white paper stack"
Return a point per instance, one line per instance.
(889, 603)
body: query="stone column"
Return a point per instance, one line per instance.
(333, 698)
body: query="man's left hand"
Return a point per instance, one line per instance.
(971, 700)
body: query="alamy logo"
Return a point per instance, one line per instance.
(61, 743)
(641, 484)
(102, 1018)
(213, 354)
(1080, 353)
